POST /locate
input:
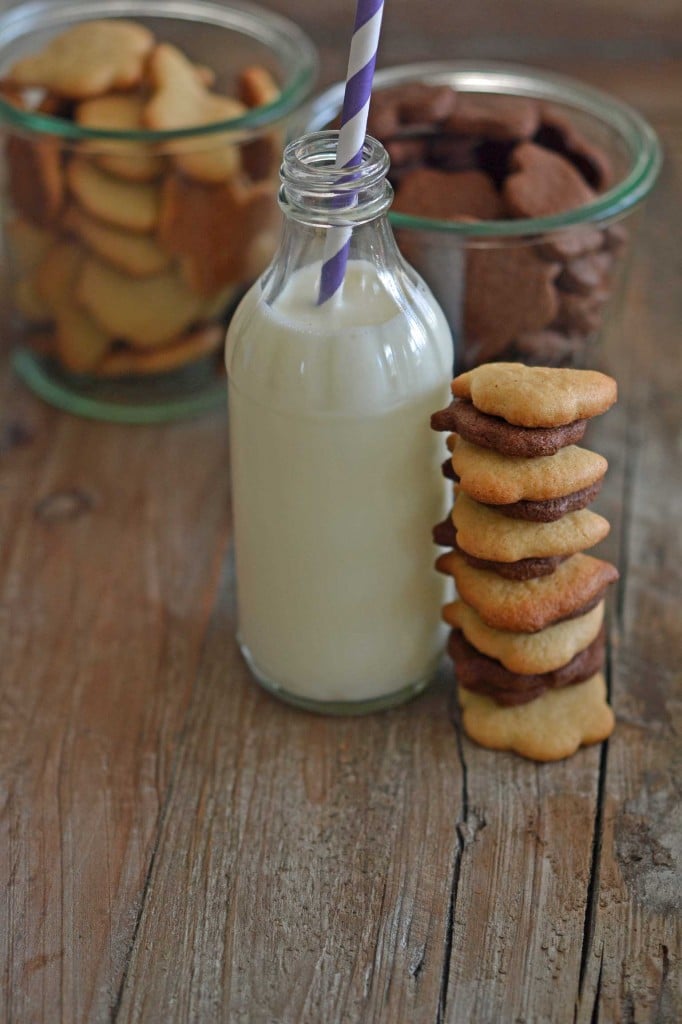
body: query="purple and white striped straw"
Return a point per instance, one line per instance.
(357, 94)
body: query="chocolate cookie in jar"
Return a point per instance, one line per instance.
(335, 478)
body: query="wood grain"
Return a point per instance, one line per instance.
(108, 576)
(303, 863)
(176, 846)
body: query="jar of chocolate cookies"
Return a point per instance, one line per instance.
(141, 154)
(516, 192)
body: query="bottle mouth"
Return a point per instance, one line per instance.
(318, 192)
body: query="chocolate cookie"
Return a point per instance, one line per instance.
(550, 509)
(496, 117)
(445, 195)
(543, 183)
(523, 569)
(486, 675)
(494, 432)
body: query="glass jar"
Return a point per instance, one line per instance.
(127, 248)
(541, 290)
(335, 470)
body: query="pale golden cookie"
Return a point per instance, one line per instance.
(133, 206)
(536, 396)
(80, 343)
(120, 112)
(187, 349)
(498, 479)
(137, 255)
(549, 728)
(214, 229)
(145, 312)
(256, 86)
(485, 533)
(527, 653)
(88, 60)
(179, 100)
(527, 606)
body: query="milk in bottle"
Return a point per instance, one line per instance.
(335, 471)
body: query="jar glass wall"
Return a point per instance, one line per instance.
(540, 290)
(129, 238)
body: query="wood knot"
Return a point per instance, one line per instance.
(14, 435)
(64, 505)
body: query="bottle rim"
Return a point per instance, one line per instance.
(636, 134)
(317, 192)
(291, 46)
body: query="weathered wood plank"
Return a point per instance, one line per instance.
(108, 578)
(522, 894)
(634, 964)
(304, 864)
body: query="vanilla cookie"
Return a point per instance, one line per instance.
(213, 229)
(132, 206)
(87, 60)
(256, 87)
(80, 343)
(495, 479)
(136, 255)
(527, 653)
(179, 100)
(536, 396)
(139, 362)
(527, 606)
(548, 729)
(120, 112)
(145, 312)
(486, 533)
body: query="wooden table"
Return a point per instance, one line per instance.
(177, 846)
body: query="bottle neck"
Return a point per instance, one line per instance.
(316, 193)
(316, 198)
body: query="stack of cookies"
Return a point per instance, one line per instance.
(527, 633)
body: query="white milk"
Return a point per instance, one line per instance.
(336, 485)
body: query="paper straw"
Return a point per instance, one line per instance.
(357, 94)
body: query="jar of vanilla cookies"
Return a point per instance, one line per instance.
(516, 194)
(141, 153)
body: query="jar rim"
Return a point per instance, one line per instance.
(283, 37)
(519, 80)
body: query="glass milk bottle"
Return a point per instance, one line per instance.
(336, 478)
